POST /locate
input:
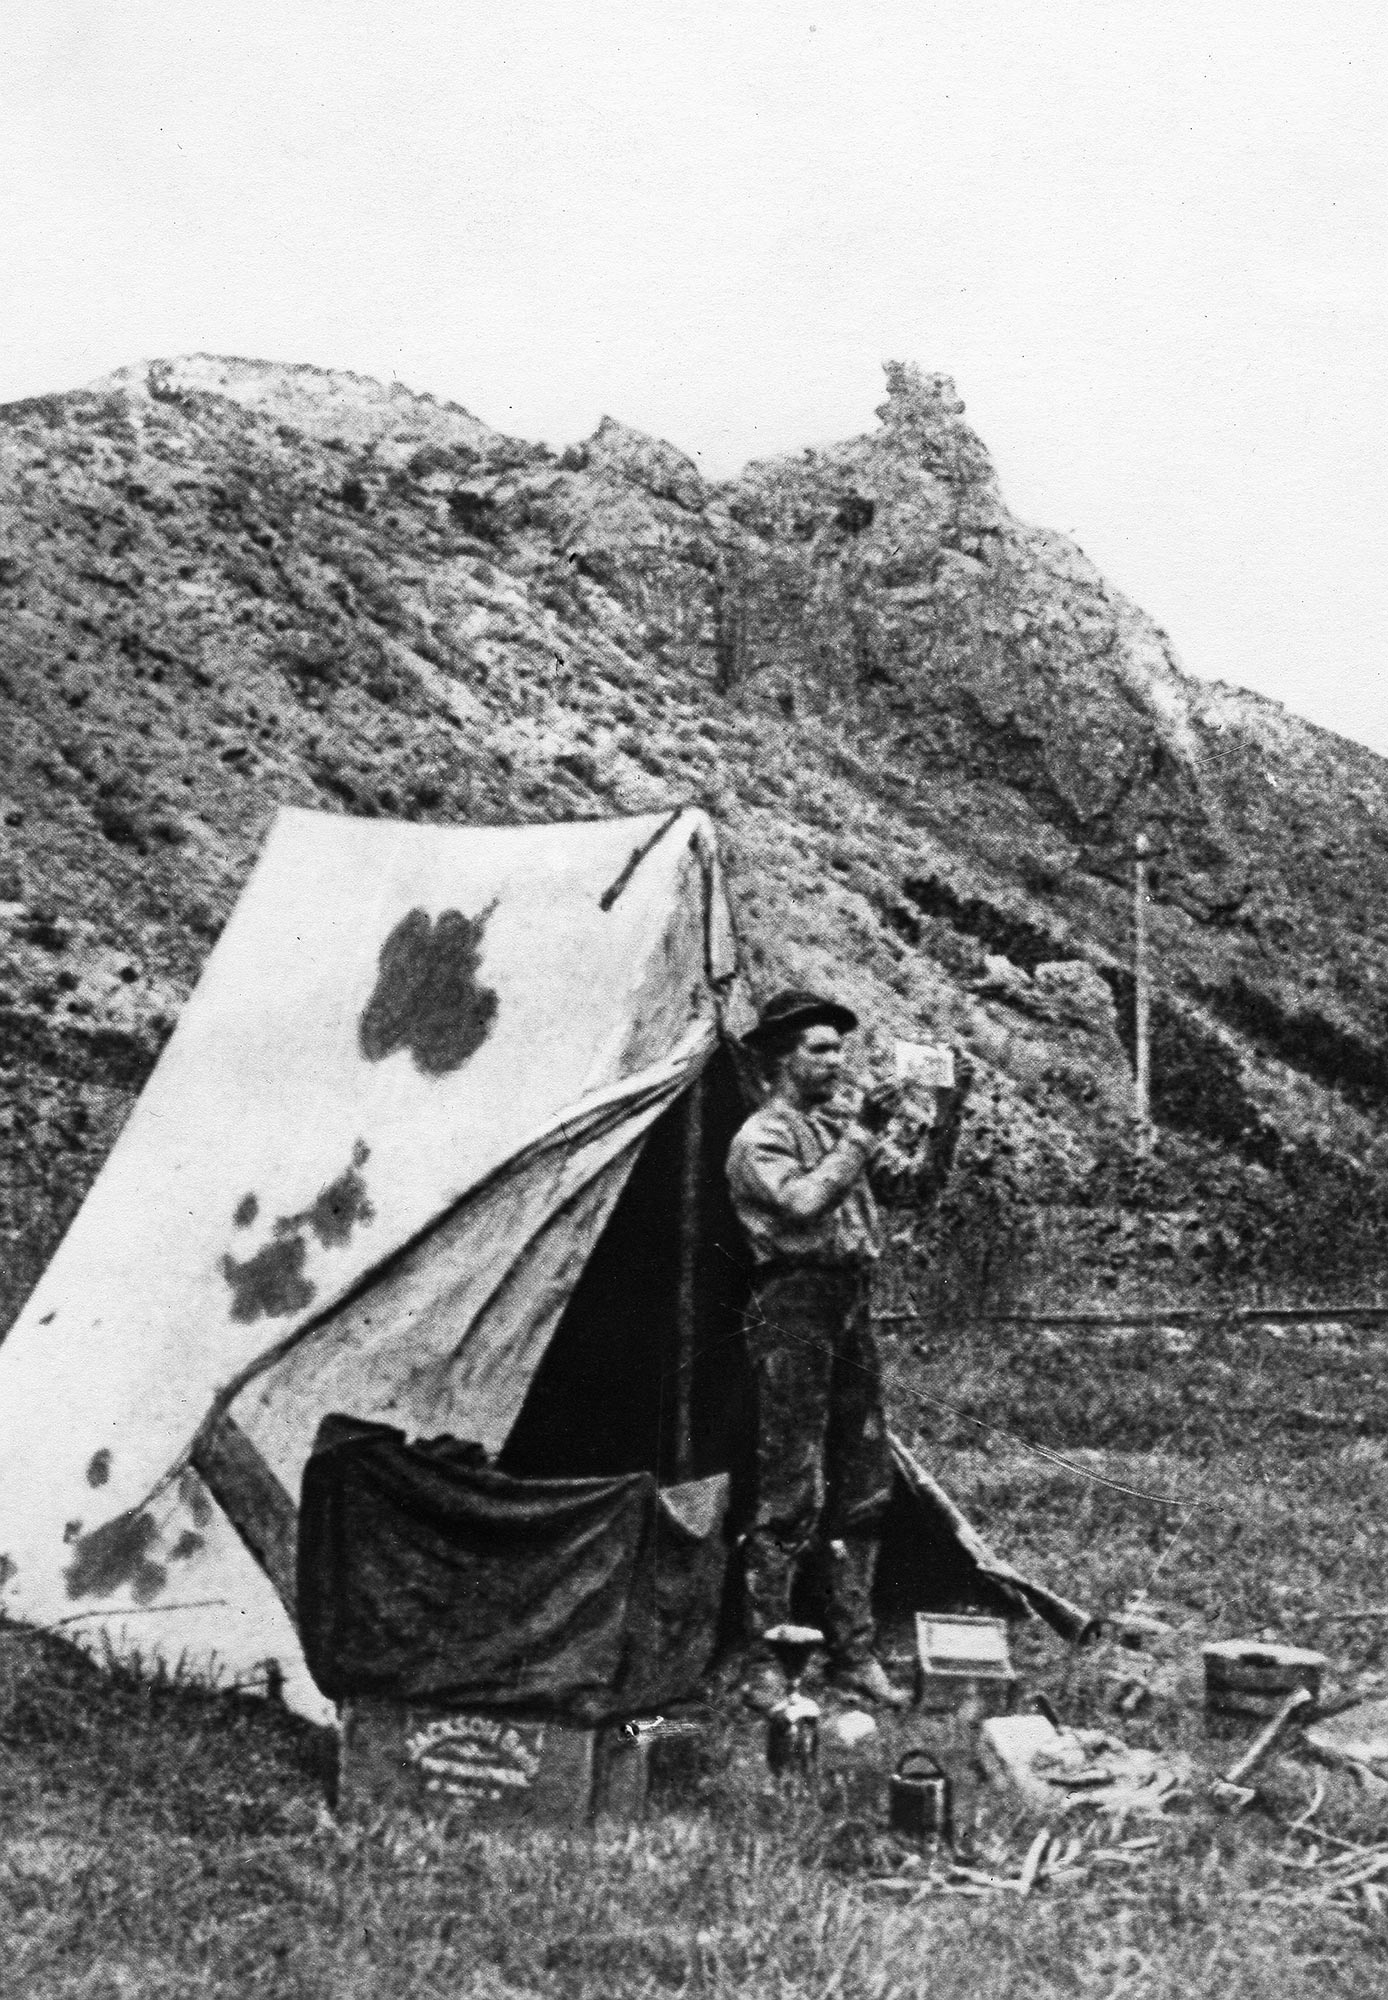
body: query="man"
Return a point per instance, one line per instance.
(799, 1178)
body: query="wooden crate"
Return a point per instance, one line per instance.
(963, 1660)
(489, 1768)
(1254, 1677)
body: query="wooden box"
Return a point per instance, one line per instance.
(961, 1659)
(1254, 1677)
(489, 1768)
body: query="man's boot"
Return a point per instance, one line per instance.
(869, 1681)
(852, 1566)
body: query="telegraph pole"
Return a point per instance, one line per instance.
(1142, 1001)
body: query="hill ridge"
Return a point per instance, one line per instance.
(929, 733)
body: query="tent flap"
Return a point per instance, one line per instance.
(935, 1559)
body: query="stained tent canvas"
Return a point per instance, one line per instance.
(365, 1176)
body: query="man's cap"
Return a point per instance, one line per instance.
(788, 1012)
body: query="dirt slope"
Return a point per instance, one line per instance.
(929, 733)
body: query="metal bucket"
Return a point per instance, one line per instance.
(920, 1805)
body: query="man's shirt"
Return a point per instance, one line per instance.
(775, 1147)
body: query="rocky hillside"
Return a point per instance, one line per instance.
(928, 731)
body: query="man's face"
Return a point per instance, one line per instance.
(814, 1067)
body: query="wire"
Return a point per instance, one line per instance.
(1041, 1452)
(1177, 1316)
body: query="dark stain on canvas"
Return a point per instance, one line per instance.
(271, 1283)
(429, 998)
(117, 1554)
(335, 1210)
(194, 1496)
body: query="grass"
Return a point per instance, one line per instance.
(157, 1842)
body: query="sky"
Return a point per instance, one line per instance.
(1148, 239)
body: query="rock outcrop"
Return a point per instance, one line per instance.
(929, 731)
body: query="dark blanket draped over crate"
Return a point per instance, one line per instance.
(426, 1574)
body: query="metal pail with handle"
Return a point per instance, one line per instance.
(919, 1798)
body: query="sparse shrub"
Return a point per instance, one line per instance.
(244, 575)
(426, 795)
(475, 513)
(372, 588)
(557, 594)
(312, 659)
(330, 777)
(160, 384)
(855, 514)
(384, 683)
(580, 764)
(1040, 873)
(429, 459)
(121, 824)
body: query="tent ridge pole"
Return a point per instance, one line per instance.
(686, 1311)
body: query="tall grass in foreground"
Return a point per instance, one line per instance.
(733, 1904)
(155, 1842)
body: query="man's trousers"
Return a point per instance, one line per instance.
(823, 1467)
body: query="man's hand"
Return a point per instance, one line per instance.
(949, 1102)
(879, 1106)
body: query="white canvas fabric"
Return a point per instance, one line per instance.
(363, 1177)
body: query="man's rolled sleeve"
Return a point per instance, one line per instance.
(761, 1167)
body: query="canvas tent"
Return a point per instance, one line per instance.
(435, 1146)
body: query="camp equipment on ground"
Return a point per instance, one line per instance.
(849, 1730)
(792, 1647)
(792, 1736)
(920, 1803)
(1232, 1792)
(1063, 1771)
(1255, 1676)
(792, 1727)
(479, 1766)
(1356, 1738)
(964, 1660)
(486, 1768)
